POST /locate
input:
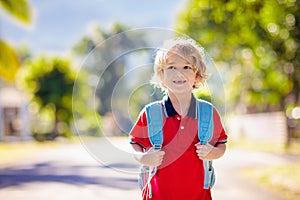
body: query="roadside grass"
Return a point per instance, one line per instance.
(283, 180)
(11, 152)
(269, 147)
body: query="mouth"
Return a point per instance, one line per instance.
(179, 82)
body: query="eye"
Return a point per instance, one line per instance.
(188, 67)
(171, 67)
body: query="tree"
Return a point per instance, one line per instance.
(257, 44)
(9, 61)
(259, 41)
(49, 82)
(109, 57)
(103, 59)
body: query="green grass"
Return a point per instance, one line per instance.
(270, 147)
(15, 151)
(11, 152)
(283, 180)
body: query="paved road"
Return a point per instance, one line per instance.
(72, 172)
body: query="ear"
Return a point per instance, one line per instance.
(160, 74)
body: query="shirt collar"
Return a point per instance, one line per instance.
(170, 110)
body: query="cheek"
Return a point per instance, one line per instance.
(192, 77)
(165, 75)
(166, 78)
(192, 80)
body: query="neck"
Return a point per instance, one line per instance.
(181, 103)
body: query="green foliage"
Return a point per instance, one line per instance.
(84, 107)
(19, 9)
(105, 60)
(202, 93)
(102, 60)
(49, 82)
(284, 180)
(9, 62)
(111, 60)
(258, 41)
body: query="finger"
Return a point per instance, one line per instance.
(161, 153)
(201, 157)
(150, 150)
(200, 146)
(158, 162)
(161, 158)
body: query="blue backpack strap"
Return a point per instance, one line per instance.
(205, 133)
(155, 133)
(205, 121)
(155, 123)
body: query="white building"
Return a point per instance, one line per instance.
(14, 116)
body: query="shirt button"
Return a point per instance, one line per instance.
(181, 127)
(178, 118)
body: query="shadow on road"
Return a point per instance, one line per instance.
(74, 175)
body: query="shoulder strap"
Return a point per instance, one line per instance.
(155, 123)
(205, 132)
(205, 121)
(155, 119)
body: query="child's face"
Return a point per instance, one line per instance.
(179, 75)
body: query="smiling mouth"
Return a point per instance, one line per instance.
(179, 82)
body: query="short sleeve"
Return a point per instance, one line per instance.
(139, 132)
(219, 136)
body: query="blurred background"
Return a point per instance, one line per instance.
(48, 48)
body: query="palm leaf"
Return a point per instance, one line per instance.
(9, 62)
(19, 9)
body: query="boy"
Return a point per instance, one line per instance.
(179, 68)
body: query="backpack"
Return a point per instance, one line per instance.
(154, 114)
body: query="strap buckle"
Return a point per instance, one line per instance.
(157, 146)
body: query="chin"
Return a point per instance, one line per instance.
(181, 91)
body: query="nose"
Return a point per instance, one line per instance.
(179, 73)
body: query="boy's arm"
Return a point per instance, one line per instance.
(151, 157)
(209, 152)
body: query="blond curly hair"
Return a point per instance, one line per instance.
(187, 49)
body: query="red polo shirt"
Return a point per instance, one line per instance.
(181, 175)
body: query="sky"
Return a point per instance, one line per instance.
(58, 24)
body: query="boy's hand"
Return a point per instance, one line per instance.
(152, 158)
(203, 150)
